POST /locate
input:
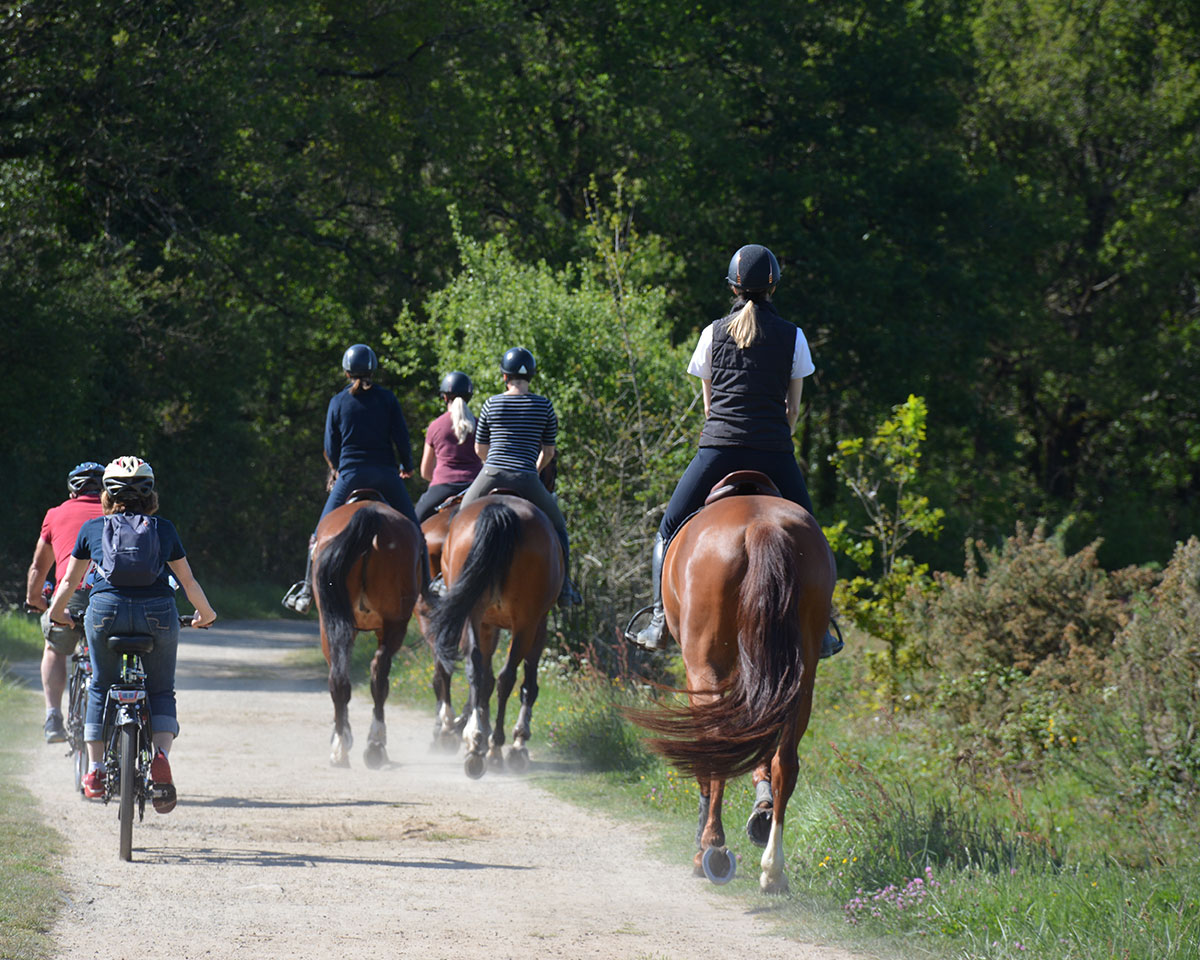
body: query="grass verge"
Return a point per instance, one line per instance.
(29, 897)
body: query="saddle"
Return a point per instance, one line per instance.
(364, 493)
(742, 483)
(450, 502)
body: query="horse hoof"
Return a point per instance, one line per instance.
(335, 761)
(473, 766)
(719, 865)
(777, 884)
(495, 759)
(758, 827)
(375, 756)
(518, 759)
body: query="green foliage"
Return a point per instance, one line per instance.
(20, 637)
(882, 471)
(1019, 640)
(599, 339)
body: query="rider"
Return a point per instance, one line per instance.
(751, 364)
(149, 610)
(449, 462)
(362, 426)
(59, 529)
(515, 438)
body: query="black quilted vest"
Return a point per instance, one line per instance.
(749, 387)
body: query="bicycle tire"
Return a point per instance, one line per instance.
(76, 710)
(128, 766)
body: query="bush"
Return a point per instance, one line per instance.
(1020, 641)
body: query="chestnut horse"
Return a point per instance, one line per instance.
(747, 588)
(367, 570)
(503, 568)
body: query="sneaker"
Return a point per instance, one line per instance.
(162, 790)
(54, 730)
(93, 784)
(437, 586)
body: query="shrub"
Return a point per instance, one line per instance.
(1020, 639)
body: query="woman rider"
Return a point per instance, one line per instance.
(449, 461)
(515, 438)
(150, 610)
(752, 364)
(364, 429)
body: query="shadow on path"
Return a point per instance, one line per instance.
(276, 858)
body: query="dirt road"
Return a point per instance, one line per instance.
(271, 853)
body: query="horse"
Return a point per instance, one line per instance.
(367, 567)
(503, 567)
(446, 727)
(747, 590)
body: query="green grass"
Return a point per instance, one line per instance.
(29, 898)
(20, 637)
(242, 601)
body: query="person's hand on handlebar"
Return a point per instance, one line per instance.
(203, 617)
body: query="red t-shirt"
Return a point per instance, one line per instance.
(456, 462)
(61, 526)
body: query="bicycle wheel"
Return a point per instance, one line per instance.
(128, 766)
(76, 708)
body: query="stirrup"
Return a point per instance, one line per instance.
(650, 637)
(437, 586)
(298, 597)
(831, 644)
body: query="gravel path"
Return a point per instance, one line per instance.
(271, 853)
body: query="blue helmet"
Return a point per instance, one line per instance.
(85, 478)
(753, 269)
(359, 360)
(518, 362)
(457, 384)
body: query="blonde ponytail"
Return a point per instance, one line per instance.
(744, 328)
(462, 421)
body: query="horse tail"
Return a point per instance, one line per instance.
(337, 557)
(493, 544)
(735, 732)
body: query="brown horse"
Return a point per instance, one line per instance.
(503, 568)
(367, 569)
(446, 727)
(747, 587)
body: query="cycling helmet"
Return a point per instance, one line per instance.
(518, 362)
(359, 360)
(457, 384)
(753, 269)
(127, 478)
(85, 478)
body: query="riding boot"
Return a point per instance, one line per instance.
(651, 636)
(299, 596)
(569, 595)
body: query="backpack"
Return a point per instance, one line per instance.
(131, 555)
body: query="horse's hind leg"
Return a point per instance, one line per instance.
(518, 756)
(758, 827)
(785, 767)
(712, 860)
(445, 726)
(505, 681)
(481, 681)
(391, 636)
(338, 656)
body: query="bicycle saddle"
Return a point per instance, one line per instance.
(135, 643)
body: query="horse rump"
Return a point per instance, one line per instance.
(337, 556)
(494, 538)
(739, 728)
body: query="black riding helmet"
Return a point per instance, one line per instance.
(518, 362)
(753, 269)
(85, 478)
(457, 384)
(359, 360)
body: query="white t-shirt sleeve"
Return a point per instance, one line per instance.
(701, 363)
(802, 361)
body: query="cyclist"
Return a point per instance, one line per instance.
(515, 438)
(449, 462)
(751, 364)
(59, 529)
(150, 610)
(364, 430)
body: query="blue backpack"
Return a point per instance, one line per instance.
(131, 555)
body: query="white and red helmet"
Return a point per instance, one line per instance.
(128, 477)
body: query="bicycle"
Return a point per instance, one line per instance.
(77, 694)
(128, 735)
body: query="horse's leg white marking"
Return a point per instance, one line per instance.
(378, 733)
(772, 860)
(341, 746)
(521, 730)
(473, 733)
(446, 716)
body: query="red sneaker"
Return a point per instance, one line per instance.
(162, 790)
(93, 784)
